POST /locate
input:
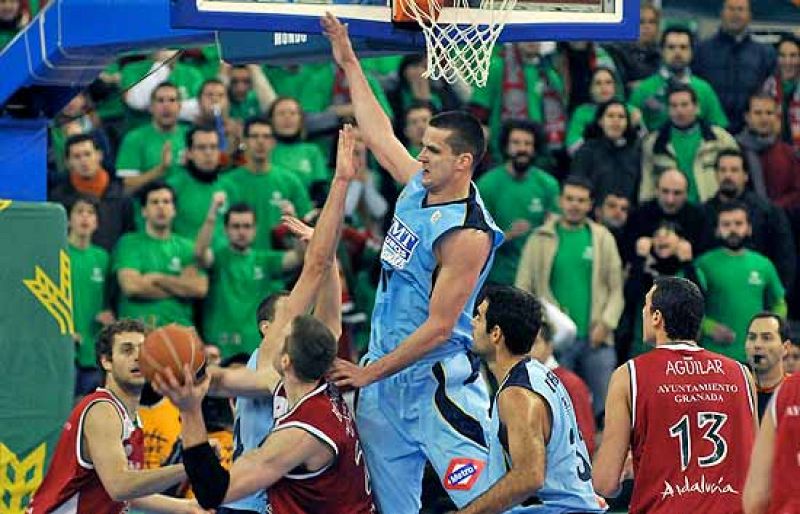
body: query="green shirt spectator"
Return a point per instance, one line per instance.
(241, 277)
(155, 268)
(152, 151)
(686, 143)
(572, 271)
(291, 152)
(195, 184)
(519, 196)
(736, 286)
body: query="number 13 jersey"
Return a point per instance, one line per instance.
(693, 431)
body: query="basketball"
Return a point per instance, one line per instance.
(172, 346)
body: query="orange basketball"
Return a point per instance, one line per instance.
(172, 346)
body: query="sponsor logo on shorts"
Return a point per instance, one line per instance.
(462, 473)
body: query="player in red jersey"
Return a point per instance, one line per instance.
(96, 467)
(771, 486)
(687, 414)
(312, 461)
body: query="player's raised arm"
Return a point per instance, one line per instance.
(376, 128)
(319, 255)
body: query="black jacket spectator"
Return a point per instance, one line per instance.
(114, 215)
(690, 220)
(772, 234)
(736, 67)
(610, 159)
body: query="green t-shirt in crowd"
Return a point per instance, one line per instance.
(89, 271)
(509, 199)
(187, 79)
(238, 283)
(304, 159)
(571, 276)
(140, 150)
(651, 98)
(316, 94)
(192, 199)
(736, 287)
(247, 108)
(686, 144)
(264, 192)
(145, 254)
(290, 80)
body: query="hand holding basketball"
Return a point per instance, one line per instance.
(170, 348)
(340, 42)
(186, 394)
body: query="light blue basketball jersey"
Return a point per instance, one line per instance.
(252, 425)
(568, 473)
(409, 268)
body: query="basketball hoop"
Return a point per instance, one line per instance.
(460, 40)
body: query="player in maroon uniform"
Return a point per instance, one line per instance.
(312, 461)
(96, 467)
(687, 414)
(771, 486)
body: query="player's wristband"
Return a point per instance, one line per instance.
(209, 479)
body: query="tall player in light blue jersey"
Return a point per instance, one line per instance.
(534, 428)
(421, 396)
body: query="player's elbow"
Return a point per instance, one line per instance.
(605, 484)
(120, 490)
(530, 482)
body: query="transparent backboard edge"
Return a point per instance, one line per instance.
(569, 13)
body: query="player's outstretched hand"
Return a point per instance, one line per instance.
(336, 33)
(345, 158)
(302, 231)
(345, 373)
(187, 396)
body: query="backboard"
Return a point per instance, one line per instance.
(531, 20)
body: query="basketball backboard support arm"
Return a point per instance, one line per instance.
(542, 20)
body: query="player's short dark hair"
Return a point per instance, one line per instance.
(156, 185)
(466, 133)
(83, 198)
(531, 127)
(311, 347)
(189, 138)
(517, 313)
(162, 85)
(676, 29)
(578, 181)
(730, 152)
(546, 331)
(238, 208)
(733, 205)
(255, 120)
(682, 306)
(105, 339)
(266, 309)
(678, 87)
(784, 331)
(78, 139)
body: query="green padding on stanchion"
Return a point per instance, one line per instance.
(36, 367)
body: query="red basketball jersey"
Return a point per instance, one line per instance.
(693, 431)
(582, 402)
(71, 485)
(785, 409)
(343, 486)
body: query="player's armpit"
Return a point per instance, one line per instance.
(527, 419)
(759, 477)
(284, 450)
(610, 457)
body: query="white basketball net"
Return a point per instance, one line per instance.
(461, 46)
